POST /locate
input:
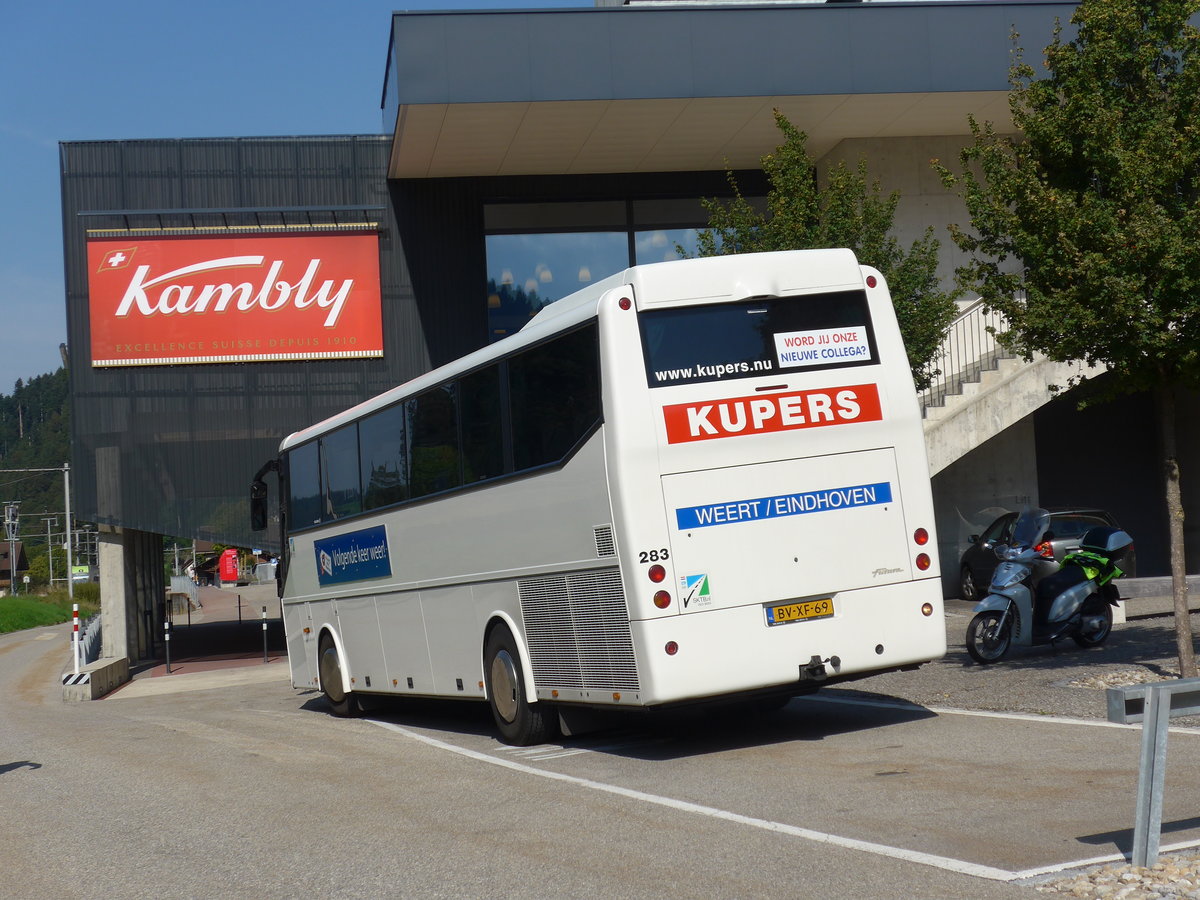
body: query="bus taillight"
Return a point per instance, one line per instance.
(657, 574)
(662, 599)
(921, 536)
(672, 648)
(923, 561)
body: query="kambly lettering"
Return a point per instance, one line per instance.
(701, 421)
(165, 294)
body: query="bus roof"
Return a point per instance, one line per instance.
(699, 280)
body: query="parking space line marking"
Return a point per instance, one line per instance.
(987, 713)
(959, 866)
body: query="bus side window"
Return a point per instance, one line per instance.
(482, 431)
(555, 391)
(383, 456)
(339, 470)
(433, 439)
(304, 486)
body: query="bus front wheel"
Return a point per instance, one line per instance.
(329, 667)
(519, 722)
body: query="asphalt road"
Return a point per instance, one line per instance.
(234, 785)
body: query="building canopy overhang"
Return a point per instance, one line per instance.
(652, 89)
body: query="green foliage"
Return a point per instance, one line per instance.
(35, 434)
(1085, 230)
(28, 611)
(849, 211)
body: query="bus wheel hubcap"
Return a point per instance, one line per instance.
(505, 685)
(331, 675)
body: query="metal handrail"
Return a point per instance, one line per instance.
(969, 348)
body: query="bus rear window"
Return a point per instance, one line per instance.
(757, 338)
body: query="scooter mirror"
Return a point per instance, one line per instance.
(1001, 550)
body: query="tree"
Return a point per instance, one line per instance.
(848, 212)
(1085, 228)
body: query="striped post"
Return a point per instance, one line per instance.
(75, 635)
(264, 617)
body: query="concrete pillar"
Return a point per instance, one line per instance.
(133, 592)
(114, 641)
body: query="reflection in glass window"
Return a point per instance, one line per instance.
(529, 271)
(433, 441)
(339, 469)
(482, 433)
(383, 458)
(304, 487)
(555, 391)
(660, 245)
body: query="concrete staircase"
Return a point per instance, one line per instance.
(983, 389)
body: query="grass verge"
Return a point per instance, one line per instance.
(31, 611)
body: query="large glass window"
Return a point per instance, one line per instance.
(538, 253)
(529, 271)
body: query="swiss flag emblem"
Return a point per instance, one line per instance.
(116, 259)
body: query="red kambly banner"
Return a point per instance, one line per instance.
(253, 298)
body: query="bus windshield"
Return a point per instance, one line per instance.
(721, 341)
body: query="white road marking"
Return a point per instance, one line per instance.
(988, 714)
(941, 862)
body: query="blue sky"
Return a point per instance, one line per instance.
(75, 71)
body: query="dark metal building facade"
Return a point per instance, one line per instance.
(171, 449)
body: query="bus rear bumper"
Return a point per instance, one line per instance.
(727, 651)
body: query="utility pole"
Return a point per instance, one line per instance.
(50, 549)
(11, 517)
(66, 473)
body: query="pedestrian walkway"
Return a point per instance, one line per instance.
(225, 632)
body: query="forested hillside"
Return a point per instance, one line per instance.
(35, 434)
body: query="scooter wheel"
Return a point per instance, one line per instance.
(987, 640)
(1097, 622)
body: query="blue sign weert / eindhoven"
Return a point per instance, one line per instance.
(354, 556)
(781, 505)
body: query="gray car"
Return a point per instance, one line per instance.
(1067, 526)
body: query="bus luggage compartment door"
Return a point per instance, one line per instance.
(791, 529)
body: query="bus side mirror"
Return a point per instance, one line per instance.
(258, 506)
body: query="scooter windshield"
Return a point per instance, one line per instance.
(1031, 525)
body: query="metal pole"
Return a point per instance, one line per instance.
(264, 617)
(50, 554)
(70, 563)
(167, 642)
(1151, 775)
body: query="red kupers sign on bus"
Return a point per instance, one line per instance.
(764, 414)
(234, 299)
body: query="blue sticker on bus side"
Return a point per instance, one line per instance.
(783, 505)
(354, 556)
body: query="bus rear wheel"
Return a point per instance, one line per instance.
(329, 667)
(519, 722)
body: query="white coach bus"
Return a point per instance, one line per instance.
(691, 480)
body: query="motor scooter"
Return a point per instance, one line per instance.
(1076, 601)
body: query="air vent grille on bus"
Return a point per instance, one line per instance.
(605, 545)
(577, 628)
